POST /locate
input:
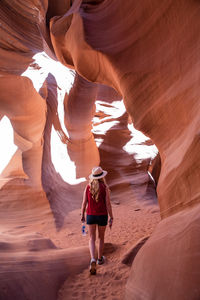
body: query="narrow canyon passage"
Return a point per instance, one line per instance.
(107, 82)
(133, 221)
(135, 207)
(128, 180)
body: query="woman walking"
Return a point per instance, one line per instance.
(96, 198)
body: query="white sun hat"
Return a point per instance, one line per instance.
(97, 173)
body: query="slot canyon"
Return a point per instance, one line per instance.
(108, 83)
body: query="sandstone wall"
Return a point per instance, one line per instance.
(149, 53)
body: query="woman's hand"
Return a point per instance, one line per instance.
(110, 222)
(82, 218)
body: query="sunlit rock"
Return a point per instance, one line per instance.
(60, 128)
(149, 53)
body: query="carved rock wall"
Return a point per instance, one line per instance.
(152, 60)
(149, 53)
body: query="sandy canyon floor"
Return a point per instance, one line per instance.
(133, 220)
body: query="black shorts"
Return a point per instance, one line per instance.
(99, 220)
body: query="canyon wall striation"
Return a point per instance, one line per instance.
(148, 52)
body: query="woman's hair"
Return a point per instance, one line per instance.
(94, 187)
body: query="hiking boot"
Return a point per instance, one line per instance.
(100, 261)
(93, 266)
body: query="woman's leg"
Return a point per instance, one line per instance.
(101, 231)
(92, 233)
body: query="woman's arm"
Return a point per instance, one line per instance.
(109, 207)
(83, 207)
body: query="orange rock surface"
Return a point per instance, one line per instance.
(64, 123)
(148, 52)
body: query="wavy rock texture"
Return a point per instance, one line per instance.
(36, 193)
(21, 29)
(148, 51)
(81, 98)
(31, 268)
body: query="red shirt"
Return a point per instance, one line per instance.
(97, 208)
